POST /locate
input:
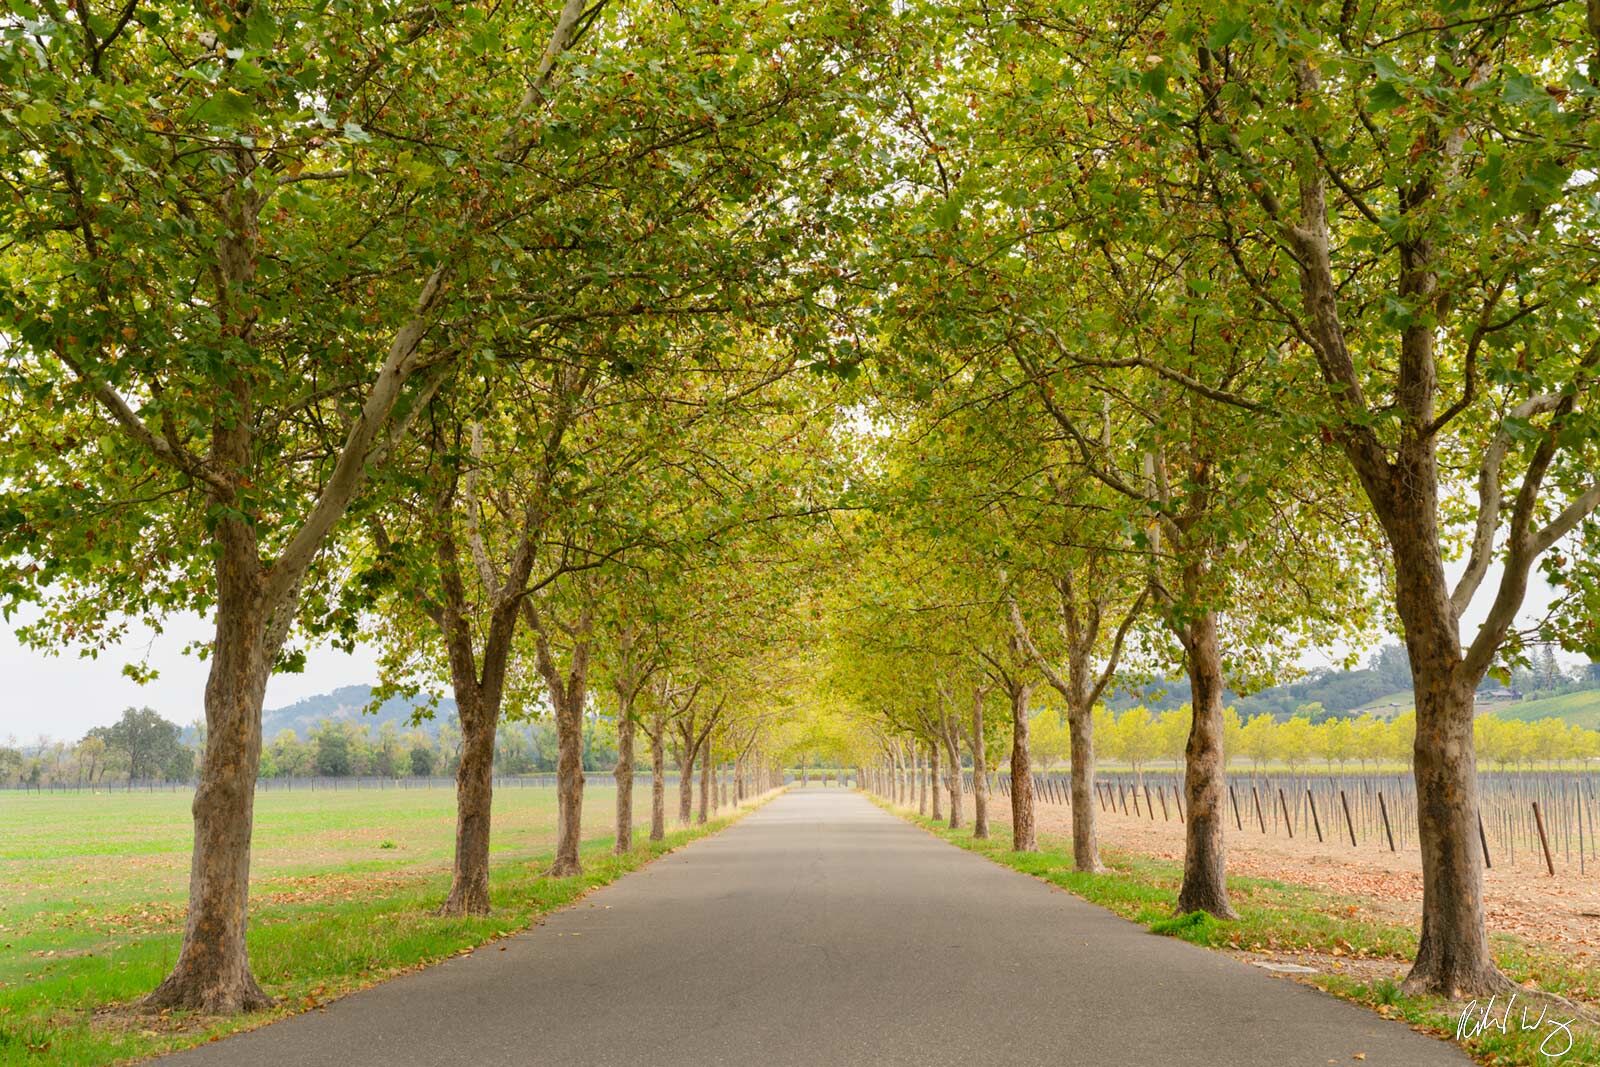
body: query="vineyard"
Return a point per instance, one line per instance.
(1546, 819)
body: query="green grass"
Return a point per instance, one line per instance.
(1403, 697)
(1577, 709)
(343, 885)
(1276, 917)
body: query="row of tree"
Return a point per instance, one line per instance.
(1218, 330)
(474, 333)
(634, 345)
(335, 748)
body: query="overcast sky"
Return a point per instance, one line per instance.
(64, 696)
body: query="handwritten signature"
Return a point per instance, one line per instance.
(1477, 1019)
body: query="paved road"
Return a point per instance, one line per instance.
(822, 931)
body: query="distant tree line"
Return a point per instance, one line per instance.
(1138, 737)
(144, 747)
(139, 747)
(336, 748)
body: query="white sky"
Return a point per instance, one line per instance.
(64, 696)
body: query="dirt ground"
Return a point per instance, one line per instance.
(1561, 912)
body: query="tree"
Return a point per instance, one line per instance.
(422, 758)
(1258, 740)
(1295, 740)
(1336, 741)
(91, 753)
(331, 744)
(149, 743)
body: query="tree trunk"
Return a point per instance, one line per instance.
(1453, 957)
(685, 785)
(624, 777)
(953, 775)
(922, 782)
(1085, 839)
(569, 786)
(933, 772)
(1205, 787)
(469, 878)
(212, 974)
(658, 781)
(980, 771)
(1023, 837)
(705, 786)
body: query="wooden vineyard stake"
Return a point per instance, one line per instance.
(1315, 822)
(1348, 822)
(1288, 823)
(1544, 842)
(1483, 841)
(1148, 806)
(1236, 820)
(1161, 790)
(1177, 798)
(1260, 817)
(1383, 809)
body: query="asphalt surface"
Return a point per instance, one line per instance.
(821, 930)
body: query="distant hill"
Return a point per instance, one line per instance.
(1579, 709)
(1339, 692)
(346, 703)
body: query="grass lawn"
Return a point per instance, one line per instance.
(93, 888)
(1403, 697)
(1280, 919)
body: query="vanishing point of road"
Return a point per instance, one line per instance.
(820, 930)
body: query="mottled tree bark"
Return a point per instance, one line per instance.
(1023, 837)
(980, 769)
(1205, 787)
(952, 751)
(568, 695)
(685, 755)
(705, 786)
(1453, 957)
(933, 772)
(624, 776)
(922, 782)
(469, 876)
(658, 778)
(569, 788)
(1085, 837)
(212, 973)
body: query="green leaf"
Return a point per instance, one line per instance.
(1225, 31)
(1384, 97)
(260, 28)
(38, 113)
(226, 108)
